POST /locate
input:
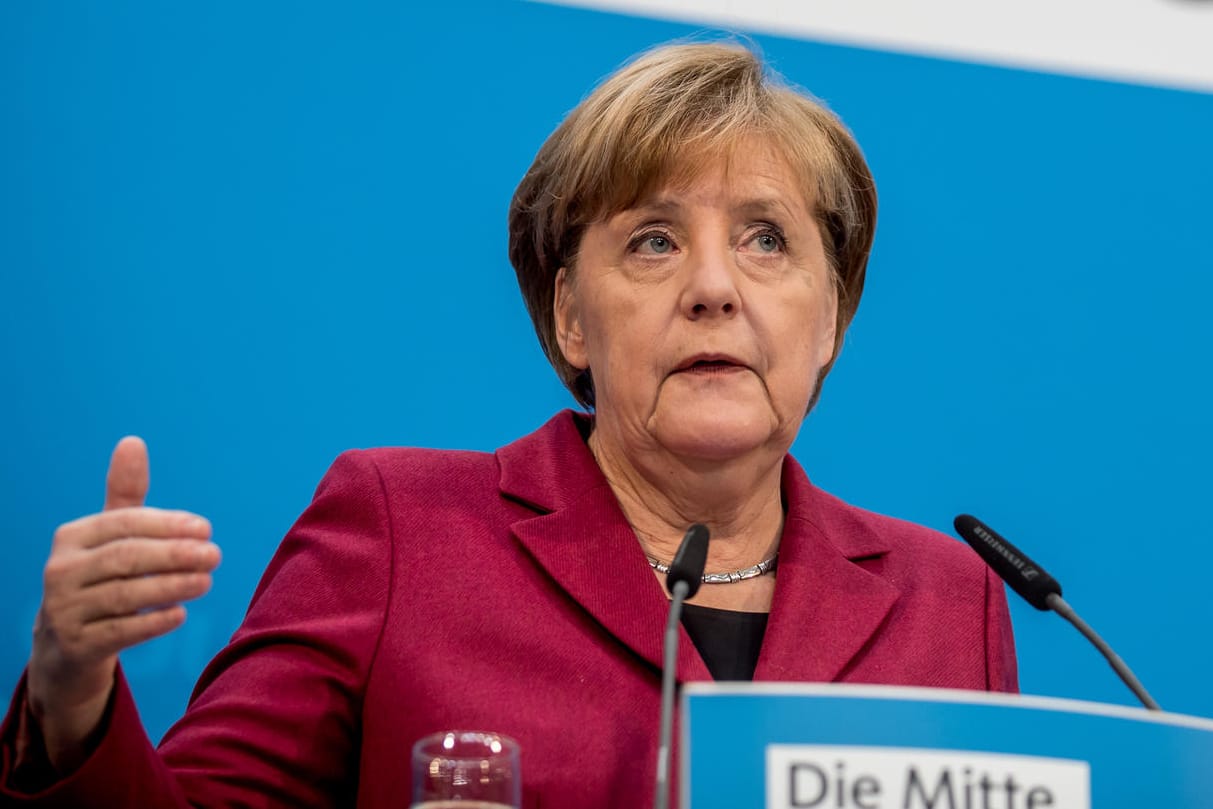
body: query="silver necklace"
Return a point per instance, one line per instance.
(752, 572)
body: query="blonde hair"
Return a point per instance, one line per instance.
(639, 128)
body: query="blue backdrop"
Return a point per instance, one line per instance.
(258, 234)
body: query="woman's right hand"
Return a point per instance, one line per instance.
(113, 580)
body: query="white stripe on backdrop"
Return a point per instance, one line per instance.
(1161, 42)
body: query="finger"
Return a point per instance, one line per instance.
(139, 556)
(128, 477)
(97, 529)
(110, 636)
(119, 597)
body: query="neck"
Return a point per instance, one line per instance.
(738, 499)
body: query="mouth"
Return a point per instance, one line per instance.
(710, 364)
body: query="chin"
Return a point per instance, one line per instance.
(716, 431)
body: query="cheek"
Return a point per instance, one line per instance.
(621, 325)
(631, 358)
(826, 341)
(809, 324)
(801, 345)
(825, 323)
(620, 343)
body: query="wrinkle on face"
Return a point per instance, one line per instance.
(630, 316)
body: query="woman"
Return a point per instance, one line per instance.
(691, 243)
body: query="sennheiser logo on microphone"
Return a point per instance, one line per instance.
(1028, 572)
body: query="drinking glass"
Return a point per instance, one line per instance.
(466, 769)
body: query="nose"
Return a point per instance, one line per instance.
(710, 286)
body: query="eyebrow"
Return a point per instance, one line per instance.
(669, 205)
(764, 206)
(660, 205)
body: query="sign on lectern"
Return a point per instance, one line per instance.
(823, 746)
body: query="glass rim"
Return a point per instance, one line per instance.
(445, 743)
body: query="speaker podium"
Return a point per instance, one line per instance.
(828, 746)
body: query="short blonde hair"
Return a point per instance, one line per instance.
(640, 126)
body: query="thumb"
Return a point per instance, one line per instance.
(128, 477)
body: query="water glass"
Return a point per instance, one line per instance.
(466, 769)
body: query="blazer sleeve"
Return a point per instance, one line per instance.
(1002, 672)
(276, 717)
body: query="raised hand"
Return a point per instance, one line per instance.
(113, 580)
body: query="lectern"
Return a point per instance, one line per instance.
(823, 746)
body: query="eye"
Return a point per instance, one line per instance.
(658, 244)
(768, 241)
(654, 244)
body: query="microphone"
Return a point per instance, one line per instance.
(689, 563)
(1009, 562)
(683, 580)
(1040, 590)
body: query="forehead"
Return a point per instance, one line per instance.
(751, 174)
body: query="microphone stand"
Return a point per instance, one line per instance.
(1059, 606)
(683, 580)
(1040, 590)
(668, 666)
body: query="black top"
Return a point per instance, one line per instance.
(728, 641)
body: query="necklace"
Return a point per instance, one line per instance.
(752, 572)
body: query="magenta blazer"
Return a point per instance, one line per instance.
(425, 590)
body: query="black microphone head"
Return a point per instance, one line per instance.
(1025, 576)
(690, 560)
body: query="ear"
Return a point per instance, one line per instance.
(569, 334)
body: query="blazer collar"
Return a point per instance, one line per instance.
(825, 608)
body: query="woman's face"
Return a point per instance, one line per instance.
(705, 312)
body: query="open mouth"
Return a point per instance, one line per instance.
(710, 365)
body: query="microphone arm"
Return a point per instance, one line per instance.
(683, 580)
(668, 666)
(1059, 606)
(1040, 590)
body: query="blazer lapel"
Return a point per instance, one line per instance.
(585, 544)
(826, 607)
